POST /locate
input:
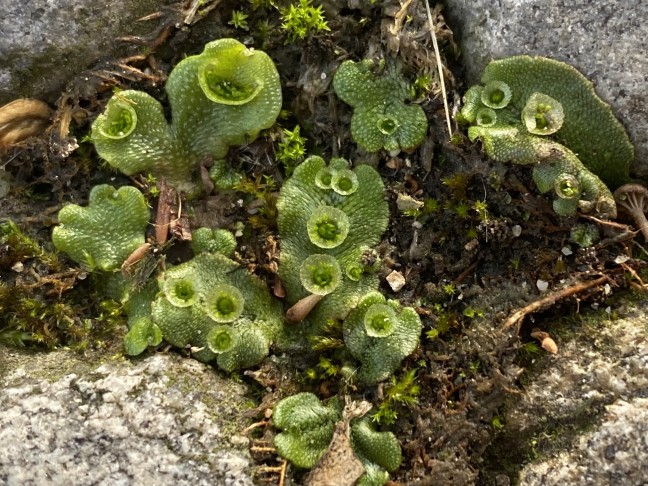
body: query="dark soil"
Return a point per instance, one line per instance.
(466, 270)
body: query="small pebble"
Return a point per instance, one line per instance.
(408, 203)
(621, 259)
(396, 281)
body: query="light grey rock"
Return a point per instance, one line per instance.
(160, 420)
(615, 454)
(45, 43)
(605, 40)
(588, 405)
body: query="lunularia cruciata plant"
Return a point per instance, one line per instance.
(329, 218)
(103, 234)
(380, 334)
(382, 118)
(217, 308)
(136, 297)
(222, 97)
(307, 427)
(142, 331)
(374, 448)
(584, 235)
(544, 113)
(209, 305)
(208, 240)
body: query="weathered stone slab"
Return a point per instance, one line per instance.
(163, 419)
(45, 43)
(615, 453)
(586, 407)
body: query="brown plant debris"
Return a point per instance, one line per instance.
(22, 119)
(549, 300)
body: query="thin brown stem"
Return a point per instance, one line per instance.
(551, 299)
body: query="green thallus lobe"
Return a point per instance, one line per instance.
(382, 118)
(380, 335)
(590, 128)
(103, 234)
(225, 313)
(337, 213)
(547, 115)
(221, 97)
(307, 427)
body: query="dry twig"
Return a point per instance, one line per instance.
(439, 67)
(163, 213)
(551, 299)
(255, 425)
